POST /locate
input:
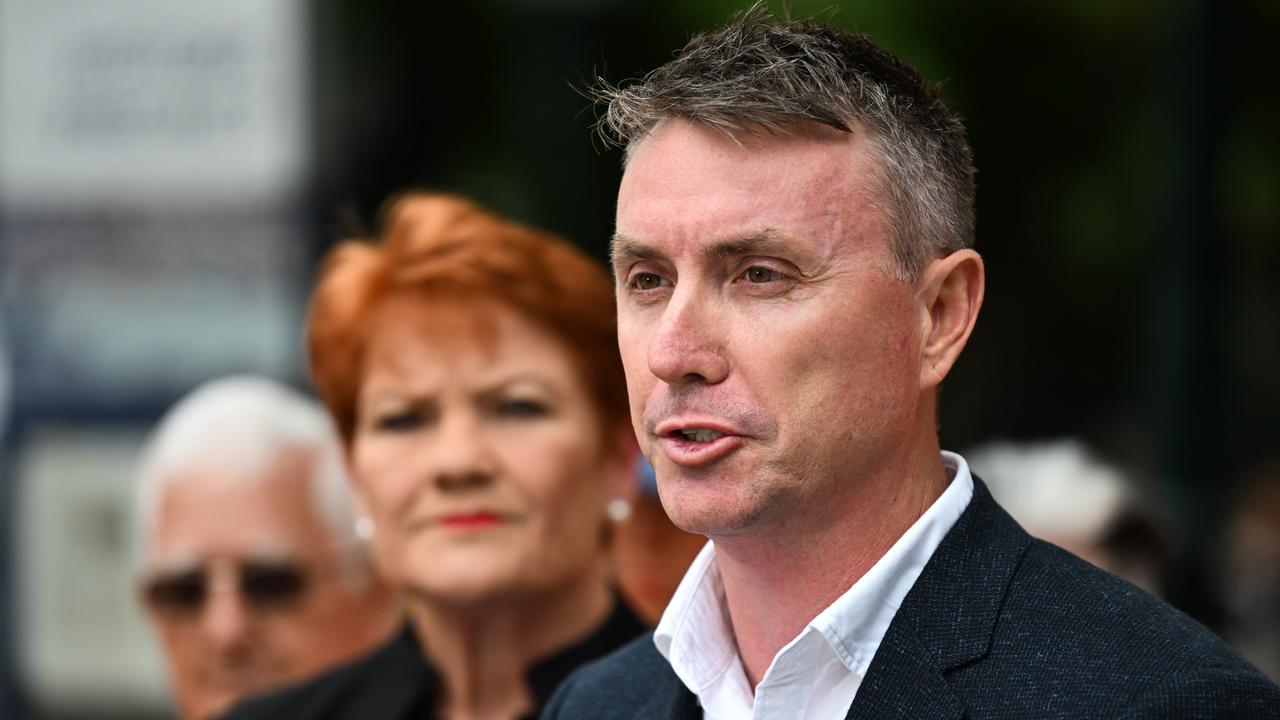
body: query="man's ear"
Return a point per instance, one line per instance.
(949, 291)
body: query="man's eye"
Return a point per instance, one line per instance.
(646, 281)
(757, 274)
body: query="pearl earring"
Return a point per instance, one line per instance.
(364, 528)
(618, 510)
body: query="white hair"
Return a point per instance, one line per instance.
(1055, 488)
(244, 423)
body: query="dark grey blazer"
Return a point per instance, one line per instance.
(999, 625)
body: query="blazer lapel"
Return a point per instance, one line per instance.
(904, 682)
(947, 619)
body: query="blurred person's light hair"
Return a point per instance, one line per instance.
(1056, 488)
(243, 424)
(1063, 492)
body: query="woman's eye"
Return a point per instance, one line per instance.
(522, 408)
(759, 275)
(398, 422)
(646, 281)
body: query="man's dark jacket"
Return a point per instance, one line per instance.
(999, 625)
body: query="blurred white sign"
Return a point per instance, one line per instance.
(83, 641)
(152, 158)
(119, 99)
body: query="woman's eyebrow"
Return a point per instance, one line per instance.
(502, 385)
(382, 398)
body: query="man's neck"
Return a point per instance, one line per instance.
(777, 581)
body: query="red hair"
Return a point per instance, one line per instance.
(445, 248)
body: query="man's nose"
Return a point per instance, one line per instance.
(462, 456)
(226, 620)
(686, 348)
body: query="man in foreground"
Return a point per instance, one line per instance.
(251, 572)
(795, 279)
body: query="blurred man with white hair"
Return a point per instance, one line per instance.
(1063, 492)
(251, 570)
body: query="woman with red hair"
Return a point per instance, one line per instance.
(471, 366)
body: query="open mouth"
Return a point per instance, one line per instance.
(693, 445)
(702, 435)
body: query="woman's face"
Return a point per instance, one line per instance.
(479, 455)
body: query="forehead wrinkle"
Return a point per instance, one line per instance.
(494, 387)
(395, 383)
(492, 378)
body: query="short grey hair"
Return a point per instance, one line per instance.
(759, 72)
(246, 423)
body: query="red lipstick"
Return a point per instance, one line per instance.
(478, 520)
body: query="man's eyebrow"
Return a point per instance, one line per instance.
(768, 241)
(622, 246)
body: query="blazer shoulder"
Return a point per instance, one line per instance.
(1209, 694)
(632, 682)
(1076, 641)
(1056, 593)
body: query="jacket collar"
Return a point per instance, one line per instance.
(948, 618)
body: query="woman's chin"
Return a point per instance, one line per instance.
(467, 586)
(468, 596)
(471, 576)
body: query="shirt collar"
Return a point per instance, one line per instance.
(694, 633)
(857, 621)
(696, 637)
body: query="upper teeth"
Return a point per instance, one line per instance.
(701, 434)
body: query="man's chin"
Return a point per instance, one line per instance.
(710, 516)
(708, 503)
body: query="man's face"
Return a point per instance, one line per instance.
(245, 587)
(772, 360)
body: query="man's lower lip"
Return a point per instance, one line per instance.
(691, 453)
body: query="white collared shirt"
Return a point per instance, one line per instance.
(818, 673)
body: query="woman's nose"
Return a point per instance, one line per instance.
(462, 456)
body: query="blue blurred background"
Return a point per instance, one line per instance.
(171, 172)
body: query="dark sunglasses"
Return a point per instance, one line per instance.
(263, 585)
